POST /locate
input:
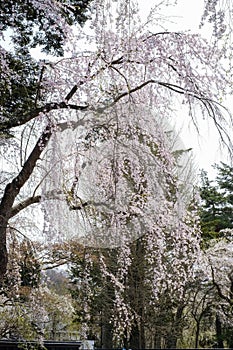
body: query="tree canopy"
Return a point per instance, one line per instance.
(88, 153)
(44, 23)
(26, 25)
(216, 210)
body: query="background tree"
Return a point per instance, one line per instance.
(46, 25)
(209, 297)
(216, 210)
(220, 267)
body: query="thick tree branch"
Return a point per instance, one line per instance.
(23, 119)
(13, 188)
(24, 204)
(54, 194)
(71, 93)
(173, 87)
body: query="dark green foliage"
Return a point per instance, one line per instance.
(41, 23)
(225, 180)
(19, 86)
(95, 291)
(30, 268)
(217, 202)
(28, 24)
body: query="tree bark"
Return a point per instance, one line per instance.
(12, 190)
(218, 325)
(157, 341)
(106, 335)
(175, 333)
(197, 333)
(25, 118)
(106, 325)
(136, 295)
(137, 337)
(14, 187)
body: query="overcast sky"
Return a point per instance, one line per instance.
(186, 15)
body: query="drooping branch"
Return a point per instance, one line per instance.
(176, 88)
(29, 165)
(212, 107)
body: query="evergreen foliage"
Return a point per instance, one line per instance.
(42, 23)
(217, 202)
(29, 24)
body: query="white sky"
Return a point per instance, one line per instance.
(183, 16)
(186, 16)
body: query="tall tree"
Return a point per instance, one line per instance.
(211, 298)
(97, 94)
(217, 199)
(29, 24)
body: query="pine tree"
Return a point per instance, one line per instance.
(217, 200)
(29, 24)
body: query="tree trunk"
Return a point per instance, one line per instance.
(157, 341)
(3, 250)
(173, 326)
(197, 335)
(12, 190)
(106, 335)
(106, 314)
(137, 337)
(136, 295)
(171, 341)
(218, 325)
(176, 328)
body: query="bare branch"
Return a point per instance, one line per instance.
(71, 93)
(24, 118)
(222, 296)
(24, 204)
